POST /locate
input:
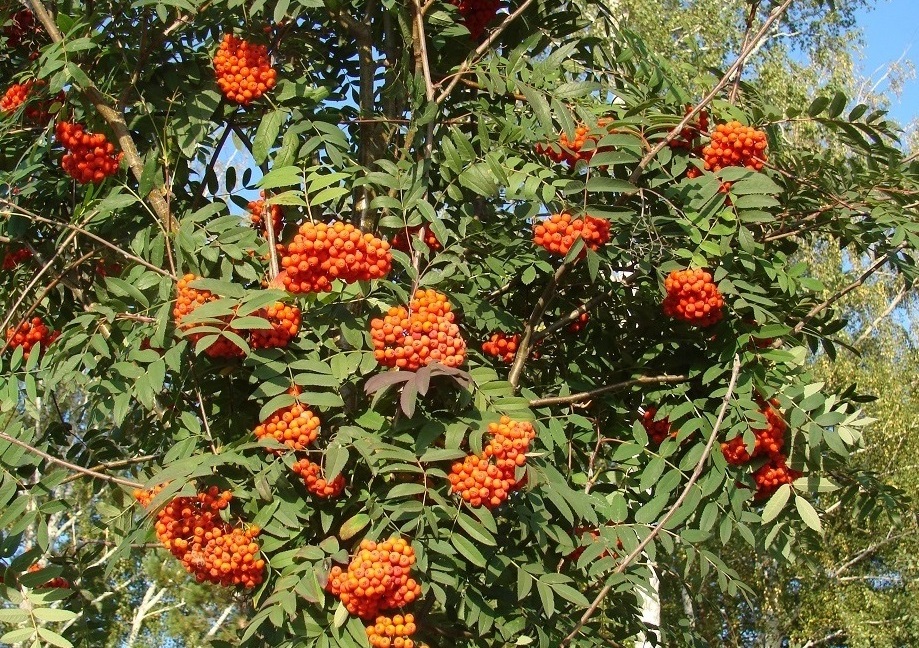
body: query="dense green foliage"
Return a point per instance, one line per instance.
(383, 146)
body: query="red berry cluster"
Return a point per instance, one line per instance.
(415, 337)
(316, 483)
(295, 426)
(403, 240)
(377, 578)
(579, 324)
(488, 479)
(22, 30)
(689, 135)
(187, 300)
(502, 346)
(320, 254)
(58, 582)
(37, 111)
(30, 333)
(14, 257)
(560, 231)
(773, 474)
(257, 213)
(477, 14)
(769, 441)
(693, 297)
(572, 151)
(209, 548)
(90, 156)
(15, 96)
(594, 536)
(243, 70)
(285, 325)
(657, 430)
(734, 144)
(392, 632)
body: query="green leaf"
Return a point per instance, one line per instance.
(475, 530)
(54, 614)
(288, 176)
(266, 134)
(353, 525)
(776, 503)
(468, 550)
(808, 514)
(16, 636)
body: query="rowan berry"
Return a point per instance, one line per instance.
(376, 579)
(315, 481)
(488, 479)
(571, 151)
(285, 325)
(320, 254)
(187, 300)
(15, 257)
(22, 29)
(257, 214)
(90, 157)
(58, 582)
(657, 430)
(773, 474)
(560, 231)
(15, 96)
(392, 632)
(688, 136)
(403, 240)
(28, 334)
(734, 144)
(769, 441)
(210, 549)
(502, 346)
(243, 70)
(415, 337)
(295, 426)
(477, 14)
(693, 297)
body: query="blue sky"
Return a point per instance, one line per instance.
(891, 28)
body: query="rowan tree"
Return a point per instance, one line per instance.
(307, 414)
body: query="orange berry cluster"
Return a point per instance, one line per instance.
(285, 324)
(415, 337)
(403, 240)
(560, 231)
(243, 70)
(30, 333)
(488, 479)
(295, 426)
(90, 156)
(58, 582)
(14, 257)
(257, 211)
(595, 535)
(315, 481)
(320, 254)
(657, 430)
(579, 324)
(378, 578)
(734, 144)
(502, 346)
(769, 441)
(187, 300)
(693, 297)
(692, 131)
(209, 548)
(145, 496)
(15, 96)
(392, 632)
(773, 474)
(571, 151)
(476, 14)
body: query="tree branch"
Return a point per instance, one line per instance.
(580, 397)
(526, 340)
(696, 473)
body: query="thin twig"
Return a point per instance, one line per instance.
(70, 466)
(580, 397)
(526, 340)
(748, 32)
(696, 473)
(109, 465)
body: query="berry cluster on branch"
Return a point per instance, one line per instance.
(257, 215)
(28, 334)
(488, 479)
(16, 257)
(559, 232)
(693, 297)
(57, 582)
(657, 430)
(243, 70)
(423, 333)
(734, 144)
(502, 346)
(90, 157)
(314, 478)
(572, 151)
(392, 632)
(210, 549)
(403, 240)
(294, 426)
(320, 254)
(477, 14)
(378, 578)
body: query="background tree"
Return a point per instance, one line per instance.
(393, 118)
